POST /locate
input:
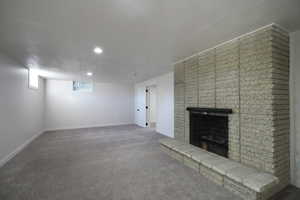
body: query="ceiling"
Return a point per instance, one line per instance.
(140, 38)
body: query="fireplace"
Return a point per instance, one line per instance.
(209, 129)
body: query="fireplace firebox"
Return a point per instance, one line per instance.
(209, 129)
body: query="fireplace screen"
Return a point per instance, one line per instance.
(209, 130)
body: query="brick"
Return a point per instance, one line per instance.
(251, 76)
(212, 175)
(191, 163)
(240, 190)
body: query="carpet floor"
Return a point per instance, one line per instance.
(109, 163)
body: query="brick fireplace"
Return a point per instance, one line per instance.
(209, 129)
(250, 76)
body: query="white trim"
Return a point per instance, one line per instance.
(18, 149)
(89, 126)
(236, 38)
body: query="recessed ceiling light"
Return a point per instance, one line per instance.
(98, 50)
(89, 73)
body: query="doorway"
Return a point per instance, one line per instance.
(151, 106)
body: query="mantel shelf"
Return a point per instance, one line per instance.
(210, 110)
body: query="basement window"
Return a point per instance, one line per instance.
(82, 86)
(33, 79)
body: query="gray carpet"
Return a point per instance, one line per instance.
(113, 163)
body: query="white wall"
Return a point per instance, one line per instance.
(21, 108)
(108, 104)
(165, 103)
(295, 107)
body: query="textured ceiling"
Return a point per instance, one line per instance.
(140, 38)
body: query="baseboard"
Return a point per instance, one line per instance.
(90, 126)
(18, 149)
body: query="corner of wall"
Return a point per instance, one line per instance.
(294, 43)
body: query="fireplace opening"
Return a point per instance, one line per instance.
(209, 129)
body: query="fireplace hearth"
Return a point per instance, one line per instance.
(209, 129)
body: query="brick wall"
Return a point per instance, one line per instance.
(191, 90)
(249, 75)
(179, 106)
(227, 91)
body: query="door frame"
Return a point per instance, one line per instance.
(147, 107)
